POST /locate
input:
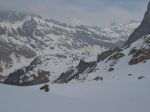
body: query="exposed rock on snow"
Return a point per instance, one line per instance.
(83, 67)
(98, 78)
(23, 77)
(45, 88)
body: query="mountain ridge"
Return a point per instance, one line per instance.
(127, 60)
(52, 42)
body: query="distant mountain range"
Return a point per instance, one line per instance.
(35, 50)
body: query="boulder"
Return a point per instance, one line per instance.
(45, 88)
(98, 78)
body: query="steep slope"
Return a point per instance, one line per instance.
(143, 29)
(131, 62)
(131, 59)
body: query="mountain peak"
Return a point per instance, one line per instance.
(147, 15)
(148, 8)
(142, 30)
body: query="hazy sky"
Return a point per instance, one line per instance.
(91, 12)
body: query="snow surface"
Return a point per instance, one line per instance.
(127, 95)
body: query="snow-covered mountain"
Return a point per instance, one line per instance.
(117, 80)
(37, 46)
(118, 33)
(117, 63)
(130, 59)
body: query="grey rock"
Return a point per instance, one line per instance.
(71, 74)
(19, 77)
(142, 30)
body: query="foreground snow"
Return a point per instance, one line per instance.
(124, 95)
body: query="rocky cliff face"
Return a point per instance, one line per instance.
(74, 73)
(142, 30)
(22, 77)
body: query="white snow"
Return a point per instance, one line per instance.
(127, 95)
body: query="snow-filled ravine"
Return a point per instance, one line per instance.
(123, 95)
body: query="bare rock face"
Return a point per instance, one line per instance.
(106, 54)
(73, 73)
(142, 30)
(45, 88)
(98, 78)
(116, 56)
(64, 77)
(29, 27)
(141, 77)
(21, 77)
(140, 56)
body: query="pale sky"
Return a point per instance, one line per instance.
(89, 12)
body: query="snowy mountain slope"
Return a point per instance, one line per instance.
(130, 59)
(120, 63)
(122, 66)
(117, 32)
(133, 57)
(58, 46)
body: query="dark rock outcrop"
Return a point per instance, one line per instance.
(65, 77)
(45, 88)
(110, 69)
(140, 56)
(141, 77)
(98, 78)
(116, 56)
(106, 54)
(20, 77)
(75, 72)
(142, 30)
(29, 27)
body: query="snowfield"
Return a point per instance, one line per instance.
(124, 95)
